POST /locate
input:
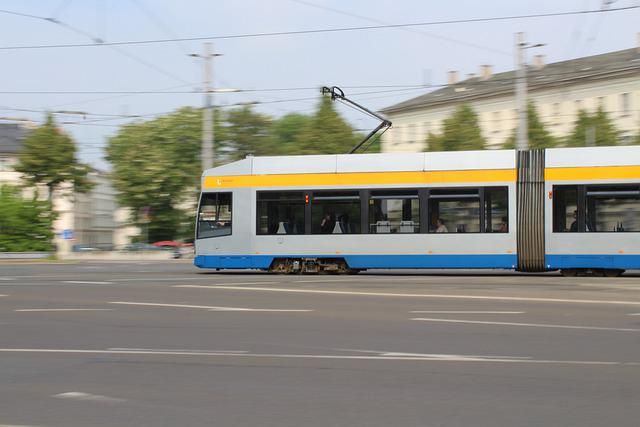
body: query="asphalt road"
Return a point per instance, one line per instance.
(164, 344)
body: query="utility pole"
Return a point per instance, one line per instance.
(522, 142)
(521, 94)
(208, 136)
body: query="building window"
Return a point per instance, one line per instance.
(394, 211)
(601, 101)
(625, 103)
(556, 113)
(214, 215)
(412, 136)
(578, 105)
(454, 211)
(280, 212)
(496, 122)
(335, 212)
(426, 128)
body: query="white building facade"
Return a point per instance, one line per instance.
(86, 220)
(559, 91)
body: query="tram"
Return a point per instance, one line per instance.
(576, 210)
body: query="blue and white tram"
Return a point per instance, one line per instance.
(573, 209)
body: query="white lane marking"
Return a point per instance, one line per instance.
(156, 350)
(385, 294)
(208, 307)
(15, 425)
(2, 295)
(82, 282)
(534, 325)
(321, 281)
(421, 358)
(431, 355)
(180, 279)
(634, 314)
(6, 278)
(468, 312)
(62, 309)
(78, 395)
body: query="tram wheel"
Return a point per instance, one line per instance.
(569, 272)
(613, 272)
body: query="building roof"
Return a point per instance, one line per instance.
(11, 137)
(617, 64)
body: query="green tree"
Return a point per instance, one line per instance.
(247, 132)
(25, 225)
(326, 132)
(596, 129)
(286, 132)
(537, 135)
(49, 157)
(461, 131)
(156, 170)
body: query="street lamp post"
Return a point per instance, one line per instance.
(208, 136)
(522, 142)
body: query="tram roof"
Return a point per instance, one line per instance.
(432, 161)
(378, 162)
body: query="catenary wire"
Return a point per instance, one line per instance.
(323, 30)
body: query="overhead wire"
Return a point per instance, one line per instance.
(322, 30)
(412, 30)
(97, 41)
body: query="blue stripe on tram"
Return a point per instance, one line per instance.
(502, 261)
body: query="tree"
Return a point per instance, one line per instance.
(596, 129)
(461, 131)
(326, 132)
(25, 225)
(537, 135)
(49, 157)
(247, 132)
(286, 131)
(156, 170)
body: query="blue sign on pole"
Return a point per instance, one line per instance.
(67, 234)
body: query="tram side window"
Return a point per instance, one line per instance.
(496, 213)
(565, 208)
(454, 211)
(214, 217)
(280, 212)
(335, 212)
(613, 208)
(394, 212)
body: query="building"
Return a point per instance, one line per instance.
(85, 220)
(559, 90)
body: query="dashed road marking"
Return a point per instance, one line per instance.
(208, 307)
(62, 309)
(468, 312)
(534, 325)
(387, 294)
(82, 282)
(404, 357)
(78, 395)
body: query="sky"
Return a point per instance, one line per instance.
(280, 73)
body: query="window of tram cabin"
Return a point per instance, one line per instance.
(394, 211)
(214, 216)
(612, 208)
(496, 209)
(280, 212)
(454, 210)
(565, 209)
(335, 212)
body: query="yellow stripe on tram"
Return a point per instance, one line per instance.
(592, 173)
(364, 178)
